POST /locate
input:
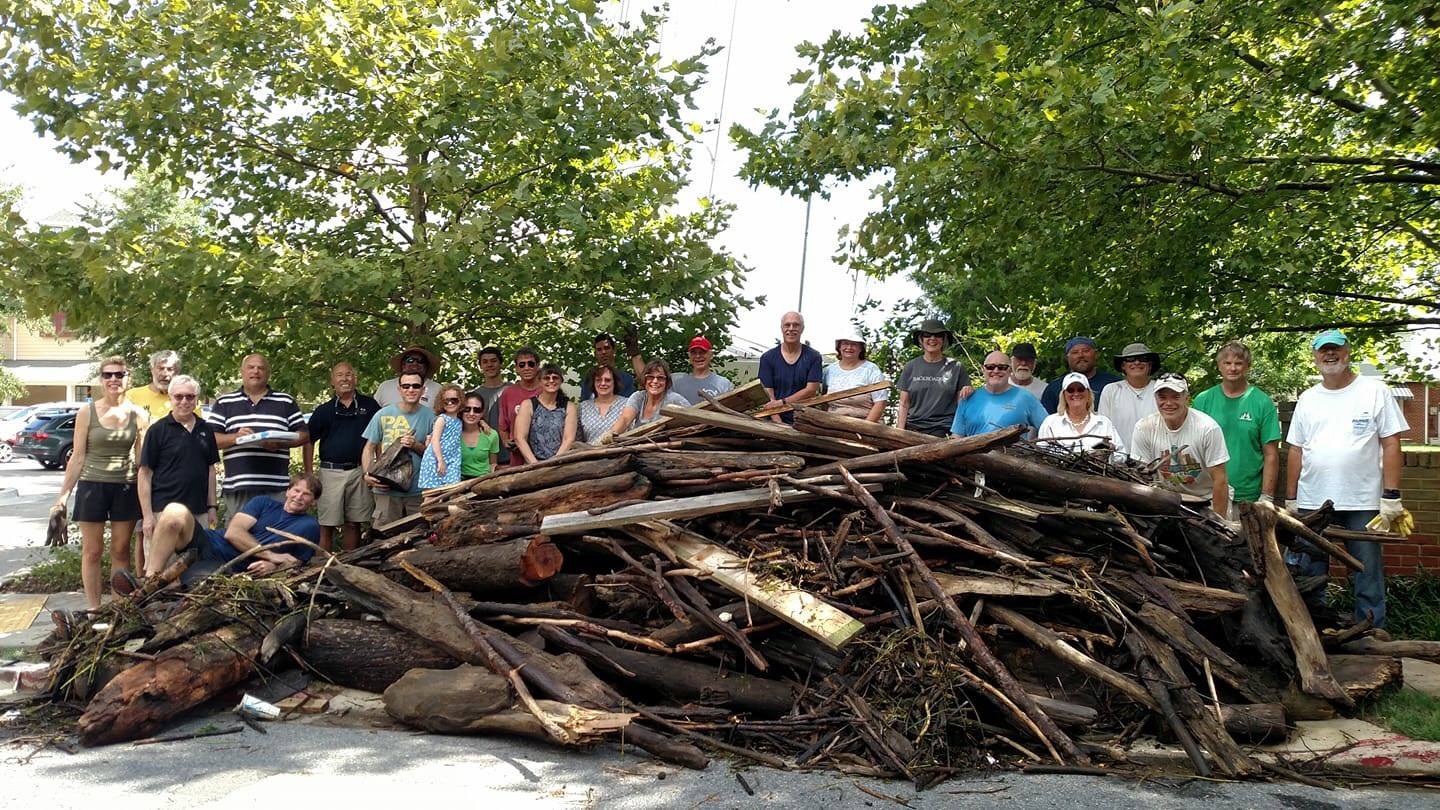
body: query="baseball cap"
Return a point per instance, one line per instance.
(1079, 340)
(1024, 351)
(699, 342)
(1072, 378)
(1172, 381)
(1330, 337)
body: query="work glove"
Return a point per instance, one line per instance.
(1265, 499)
(1393, 518)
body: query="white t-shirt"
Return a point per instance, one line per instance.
(1340, 432)
(1097, 429)
(389, 393)
(1125, 405)
(1036, 386)
(1188, 453)
(838, 379)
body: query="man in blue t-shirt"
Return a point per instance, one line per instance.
(790, 372)
(257, 524)
(999, 404)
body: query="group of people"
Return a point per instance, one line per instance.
(146, 455)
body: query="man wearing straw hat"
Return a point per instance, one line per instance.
(413, 360)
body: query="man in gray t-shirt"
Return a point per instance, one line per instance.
(701, 376)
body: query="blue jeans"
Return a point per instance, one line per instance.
(1370, 583)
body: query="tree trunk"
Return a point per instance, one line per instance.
(368, 655)
(528, 509)
(704, 683)
(502, 566)
(143, 698)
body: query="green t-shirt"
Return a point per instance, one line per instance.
(476, 462)
(1249, 422)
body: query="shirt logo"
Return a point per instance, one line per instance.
(1245, 417)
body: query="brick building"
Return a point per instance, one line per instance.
(1422, 412)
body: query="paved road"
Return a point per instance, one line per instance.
(311, 766)
(26, 492)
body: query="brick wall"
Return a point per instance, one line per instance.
(1415, 416)
(1420, 483)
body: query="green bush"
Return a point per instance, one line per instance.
(1412, 605)
(59, 573)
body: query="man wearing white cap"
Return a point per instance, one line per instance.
(852, 370)
(1345, 447)
(1128, 401)
(701, 376)
(1188, 444)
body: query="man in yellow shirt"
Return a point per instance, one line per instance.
(155, 397)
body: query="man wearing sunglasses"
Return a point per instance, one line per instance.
(409, 424)
(178, 458)
(413, 360)
(998, 404)
(338, 426)
(526, 385)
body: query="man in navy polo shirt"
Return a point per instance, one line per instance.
(255, 468)
(790, 372)
(339, 427)
(254, 525)
(178, 458)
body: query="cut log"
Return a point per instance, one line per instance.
(1364, 675)
(144, 698)
(665, 463)
(1197, 598)
(746, 397)
(1255, 722)
(704, 683)
(510, 564)
(798, 608)
(1066, 713)
(1424, 650)
(675, 509)
(473, 700)
(994, 585)
(1310, 660)
(475, 522)
(1008, 469)
(932, 453)
(368, 655)
(529, 479)
(781, 434)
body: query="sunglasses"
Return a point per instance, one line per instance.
(997, 367)
(113, 375)
(1075, 392)
(472, 409)
(183, 397)
(551, 378)
(452, 400)
(526, 363)
(412, 358)
(1144, 360)
(924, 335)
(411, 386)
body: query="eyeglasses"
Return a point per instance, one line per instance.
(472, 409)
(924, 335)
(551, 378)
(411, 386)
(452, 400)
(526, 363)
(113, 375)
(997, 367)
(412, 358)
(655, 378)
(184, 397)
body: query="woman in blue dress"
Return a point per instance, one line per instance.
(441, 463)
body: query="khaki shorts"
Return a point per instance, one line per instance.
(390, 508)
(344, 497)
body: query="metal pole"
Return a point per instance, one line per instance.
(724, 89)
(804, 253)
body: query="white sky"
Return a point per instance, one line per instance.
(766, 231)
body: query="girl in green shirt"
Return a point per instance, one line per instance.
(479, 443)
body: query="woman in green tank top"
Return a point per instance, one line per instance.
(102, 473)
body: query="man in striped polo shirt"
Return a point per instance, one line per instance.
(255, 468)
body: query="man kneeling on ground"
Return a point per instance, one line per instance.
(254, 525)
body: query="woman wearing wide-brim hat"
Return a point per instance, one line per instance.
(852, 370)
(930, 384)
(411, 360)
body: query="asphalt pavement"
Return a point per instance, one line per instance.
(307, 765)
(26, 492)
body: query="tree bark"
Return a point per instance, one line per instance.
(510, 564)
(473, 524)
(368, 655)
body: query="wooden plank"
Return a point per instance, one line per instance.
(783, 434)
(801, 609)
(991, 585)
(747, 396)
(676, 509)
(825, 399)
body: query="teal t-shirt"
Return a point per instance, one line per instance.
(475, 462)
(1248, 422)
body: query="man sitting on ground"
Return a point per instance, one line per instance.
(255, 525)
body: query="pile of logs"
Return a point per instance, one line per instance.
(833, 594)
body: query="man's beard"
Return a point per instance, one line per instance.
(1333, 367)
(1022, 375)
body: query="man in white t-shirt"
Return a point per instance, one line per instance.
(1127, 402)
(1345, 447)
(1188, 444)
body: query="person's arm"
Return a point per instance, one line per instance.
(1294, 458)
(1269, 468)
(877, 410)
(367, 460)
(210, 516)
(1391, 462)
(1219, 491)
(628, 414)
(809, 391)
(307, 456)
(143, 489)
(435, 434)
(572, 426)
(239, 536)
(902, 410)
(77, 457)
(142, 424)
(522, 432)
(502, 422)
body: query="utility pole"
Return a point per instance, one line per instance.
(804, 252)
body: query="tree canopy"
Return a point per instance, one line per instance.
(1178, 171)
(338, 179)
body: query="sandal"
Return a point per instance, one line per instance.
(123, 583)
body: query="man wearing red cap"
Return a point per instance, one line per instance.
(701, 377)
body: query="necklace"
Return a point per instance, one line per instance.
(1077, 426)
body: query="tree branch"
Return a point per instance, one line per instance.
(1427, 323)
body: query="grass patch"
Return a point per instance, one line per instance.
(1412, 605)
(1407, 712)
(58, 574)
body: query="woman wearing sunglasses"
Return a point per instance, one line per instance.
(1075, 426)
(643, 406)
(440, 465)
(479, 443)
(102, 471)
(547, 422)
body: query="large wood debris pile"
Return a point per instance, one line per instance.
(837, 594)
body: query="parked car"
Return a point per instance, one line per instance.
(12, 424)
(49, 439)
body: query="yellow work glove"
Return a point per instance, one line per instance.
(1393, 518)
